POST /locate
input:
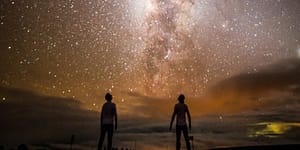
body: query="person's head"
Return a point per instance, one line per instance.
(181, 98)
(108, 97)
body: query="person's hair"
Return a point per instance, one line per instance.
(181, 98)
(108, 97)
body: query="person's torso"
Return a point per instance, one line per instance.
(180, 109)
(108, 112)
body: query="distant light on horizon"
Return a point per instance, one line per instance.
(274, 129)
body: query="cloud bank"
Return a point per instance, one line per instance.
(27, 117)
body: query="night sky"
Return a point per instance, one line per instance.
(83, 49)
(146, 52)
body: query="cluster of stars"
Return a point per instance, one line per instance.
(82, 49)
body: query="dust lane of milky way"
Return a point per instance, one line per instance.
(156, 48)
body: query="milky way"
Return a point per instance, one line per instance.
(157, 48)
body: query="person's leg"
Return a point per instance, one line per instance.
(178, 136)
(102, 136)
(186, 137)
(109, 136)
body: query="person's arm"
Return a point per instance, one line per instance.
(101, 118)
(173, 117)
(189, 118)
(116, 118)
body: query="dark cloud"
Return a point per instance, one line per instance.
(27, 117)
(274, 85)
(284, 75)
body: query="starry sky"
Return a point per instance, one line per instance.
(151, 48)
(236, 61)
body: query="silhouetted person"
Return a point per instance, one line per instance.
(107, 118)
(180, 110)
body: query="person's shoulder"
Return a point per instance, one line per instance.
(186, 106)
(178, 106)
(113, 104)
